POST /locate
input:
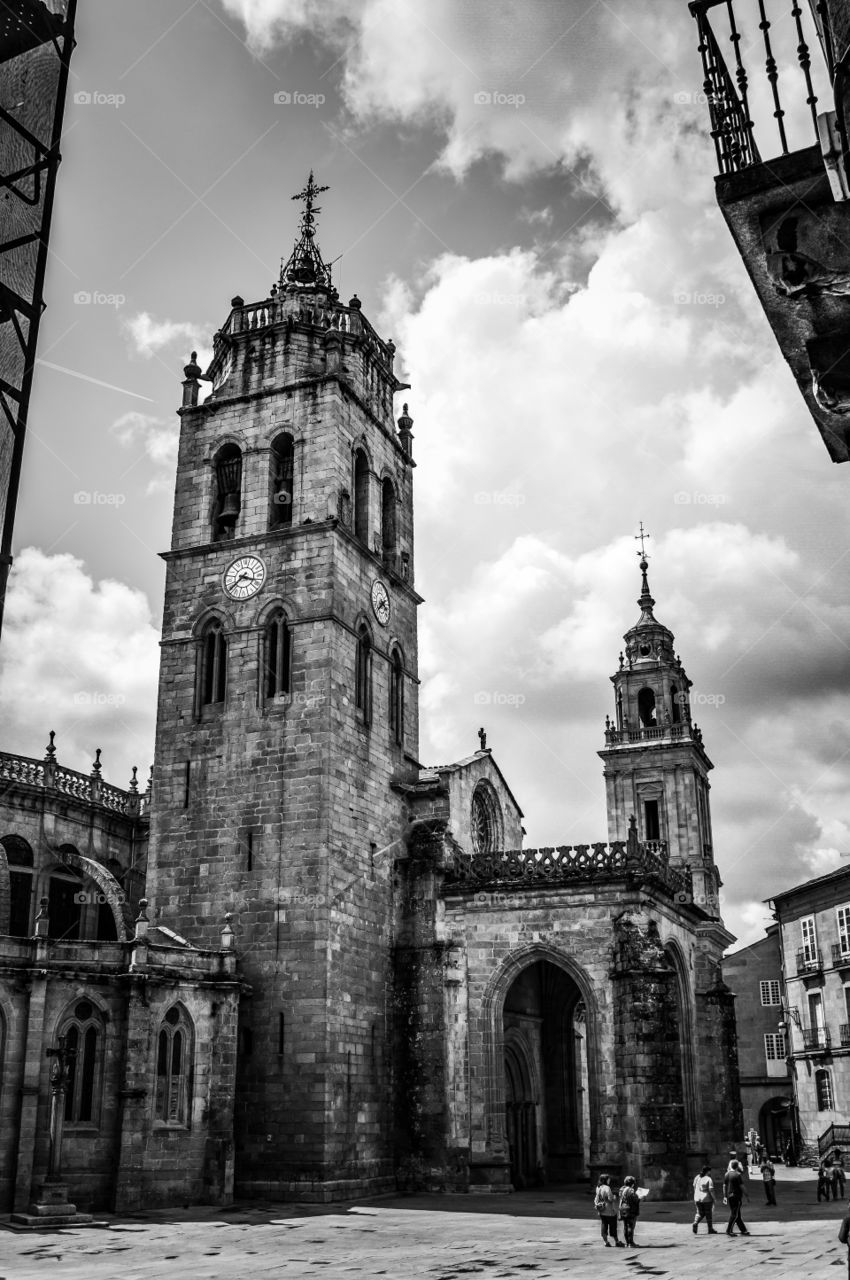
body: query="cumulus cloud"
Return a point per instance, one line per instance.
(80, 657)
(157, 439)
(149, 335)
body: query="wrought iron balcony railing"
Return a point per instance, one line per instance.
(816, 1039)
(840, 954)
(809, 960)
(741, 86)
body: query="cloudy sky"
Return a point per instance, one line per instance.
(522, 196)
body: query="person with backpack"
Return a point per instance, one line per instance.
(629, 1209)
(606, 1206)
(704, 1200)
(844, 1237)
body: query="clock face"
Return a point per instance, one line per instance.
(380, 602)
(244, 577)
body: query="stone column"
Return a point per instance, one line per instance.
(648, 1061)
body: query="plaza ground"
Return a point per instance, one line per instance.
(542, 1234)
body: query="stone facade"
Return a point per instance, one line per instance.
(754, 974)
(814, 935)
(420, 1001)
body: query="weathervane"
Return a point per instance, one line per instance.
(307, 195)
(640, 537)
(305, 265)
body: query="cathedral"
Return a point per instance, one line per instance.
(302, 964)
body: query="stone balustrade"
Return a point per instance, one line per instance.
(567, 864)
(86, 788)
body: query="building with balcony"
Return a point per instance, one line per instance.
(754, 975)
(775, 84)
(813, 921)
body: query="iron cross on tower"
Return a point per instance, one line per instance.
(307, 195)
(640, 537)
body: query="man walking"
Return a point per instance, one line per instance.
(733, 1196)
(704, 1200)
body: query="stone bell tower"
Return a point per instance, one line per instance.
(656, 767)
(288, 714)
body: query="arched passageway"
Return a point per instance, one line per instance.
(546, 1076)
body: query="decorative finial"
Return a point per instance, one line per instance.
(640, 537)
(192, 370)
(305, 265)
(143, 909)
(134, 785)
(482, 738)
(95, 769)
(50, 753)
(150, 782)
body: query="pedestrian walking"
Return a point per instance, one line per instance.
(733, 1196)
(768, 1173)
(838, 1166)
(606, 1206)
(844, 1237)
(825, 1178)
(704, 1200)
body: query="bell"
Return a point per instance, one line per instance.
(229, 510)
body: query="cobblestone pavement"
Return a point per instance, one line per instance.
(539, 1235)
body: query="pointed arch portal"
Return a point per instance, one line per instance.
(545, 1073)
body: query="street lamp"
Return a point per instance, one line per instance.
(790, 1012)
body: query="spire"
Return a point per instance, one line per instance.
(646, 601)
(305, 266)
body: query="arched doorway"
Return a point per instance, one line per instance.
(546, 1076)
(776, 1125)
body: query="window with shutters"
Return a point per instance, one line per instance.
(842, 916)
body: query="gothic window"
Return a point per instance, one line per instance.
(388, 522)
(213, 682)
(227, 501)
(486, 820)
(397, 696)
(652, 825)
(83, 1032)
(361, 496)
(277, 654)
(174, 1056)
(363, 674)
(65, 901)
(282, 482)
(646, 707)
(823, 1089)
(20, 859)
